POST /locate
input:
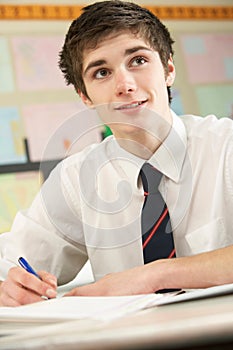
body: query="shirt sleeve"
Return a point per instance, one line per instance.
(49, 234)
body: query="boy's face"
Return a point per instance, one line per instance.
(125, 81)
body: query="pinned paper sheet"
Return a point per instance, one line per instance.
(55, 130)
(208, 57)
(36, 63)
(6, 71)
(11, 137)
(17, 191)
(215, 97)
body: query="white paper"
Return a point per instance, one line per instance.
(101, 308)
(70, 308)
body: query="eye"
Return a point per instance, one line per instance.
(138, 61)
(101, 73)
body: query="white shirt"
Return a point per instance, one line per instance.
(89, 208)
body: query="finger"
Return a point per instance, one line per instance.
(48, 278)
(13, 294)
(23, 295)
(71, 293)
(6, 300)
(5, 295)
(29, 281)
(87, 290)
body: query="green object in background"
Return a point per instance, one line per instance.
(107, 131)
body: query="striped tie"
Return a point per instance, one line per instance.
(157, 237)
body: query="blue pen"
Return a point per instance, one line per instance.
(27, 267)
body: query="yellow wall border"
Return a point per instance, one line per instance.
(60, 12)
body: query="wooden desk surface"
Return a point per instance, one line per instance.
(201, 324)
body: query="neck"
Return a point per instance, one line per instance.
(140, 148)
(145, 144)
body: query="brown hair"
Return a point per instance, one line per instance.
(102, 19)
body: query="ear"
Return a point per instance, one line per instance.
(171, 72)
(86, 100)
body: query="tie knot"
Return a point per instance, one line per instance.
(151, 178)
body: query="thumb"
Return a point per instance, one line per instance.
(71, 293)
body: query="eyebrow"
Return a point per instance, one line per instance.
(94, 64)
(100, 62)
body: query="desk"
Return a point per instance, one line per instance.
(201, 324)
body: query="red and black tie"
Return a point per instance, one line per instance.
(157, 237)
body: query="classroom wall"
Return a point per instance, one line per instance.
(141, 2)
(36, 105)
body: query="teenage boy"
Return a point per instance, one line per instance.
(119, 58)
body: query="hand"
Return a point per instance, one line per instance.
(22, 287)
(198, 271)
(129, 282)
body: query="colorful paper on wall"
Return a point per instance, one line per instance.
(218, 98)
(11, 137)
(176, 103)
(57, 130)
(37, 62)
(6, 72)
(16, 192)
(208, 57)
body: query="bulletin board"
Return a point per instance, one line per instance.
(36, 105)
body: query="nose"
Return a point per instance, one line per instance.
(124, 83)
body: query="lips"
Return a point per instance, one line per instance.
(131, 105)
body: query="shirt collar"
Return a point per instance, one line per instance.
(128, 164)
(168, 158)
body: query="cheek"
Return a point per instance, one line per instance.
(99, 94)
(160, 89)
